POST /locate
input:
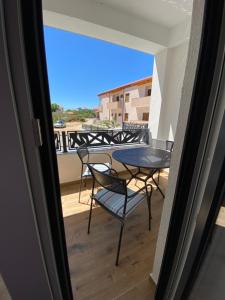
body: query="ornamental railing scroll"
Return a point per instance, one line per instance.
(71, 140)
(58, 144)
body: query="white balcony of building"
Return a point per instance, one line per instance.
(141, 101)
(114, 105)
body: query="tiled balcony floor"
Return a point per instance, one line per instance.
(94, 275)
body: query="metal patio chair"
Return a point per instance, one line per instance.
(89, 158)
(117, 198)
(169, 147)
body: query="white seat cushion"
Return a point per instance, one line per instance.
(115, 202)
(99, 167)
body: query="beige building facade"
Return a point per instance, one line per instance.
(127, 103)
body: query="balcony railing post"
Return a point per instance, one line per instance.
(146, 138)
(64, 146)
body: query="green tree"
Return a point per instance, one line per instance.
(55, 107)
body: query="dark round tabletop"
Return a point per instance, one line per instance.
(143, 157)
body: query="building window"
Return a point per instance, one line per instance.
(112, 115)
(126, 117)
(121, 96)
(149, 91)
(117, 98)
(127, 97)
(119, 115)
(145, 116)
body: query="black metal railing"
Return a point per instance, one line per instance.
(70, 140)
(57, 141)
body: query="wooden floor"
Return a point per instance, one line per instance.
(94, 275)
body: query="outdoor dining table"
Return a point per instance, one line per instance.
(147, 160)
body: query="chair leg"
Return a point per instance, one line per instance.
(158, 176)
(90, 214)
(119, 244)
(148, 197)
(81, 181)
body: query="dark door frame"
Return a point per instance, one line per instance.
(33, 37)
(205, 223)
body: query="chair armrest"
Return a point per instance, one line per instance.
(100, 153)
(140, 190)
(114, 172)
(99, 163)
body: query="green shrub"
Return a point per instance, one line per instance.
(80, 114)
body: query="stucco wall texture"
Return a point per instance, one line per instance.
(186, 89)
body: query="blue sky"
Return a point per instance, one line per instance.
(81, 67)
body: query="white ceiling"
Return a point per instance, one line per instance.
(145, 25)
(165, 12)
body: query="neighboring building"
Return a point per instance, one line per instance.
(127, 103)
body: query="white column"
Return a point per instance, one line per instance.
(159, 70)
(182, 90)
(168, 75)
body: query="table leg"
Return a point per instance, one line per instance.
(144, 180)
(129, 171)
(161, 192)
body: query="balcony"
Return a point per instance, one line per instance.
(141, 101)
(66, 143)
(84, 250)
(116, 105)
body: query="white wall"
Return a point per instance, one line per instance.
(69, 165)
(180, 132)
(158, 79)
(175, 68)
(168, 75)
